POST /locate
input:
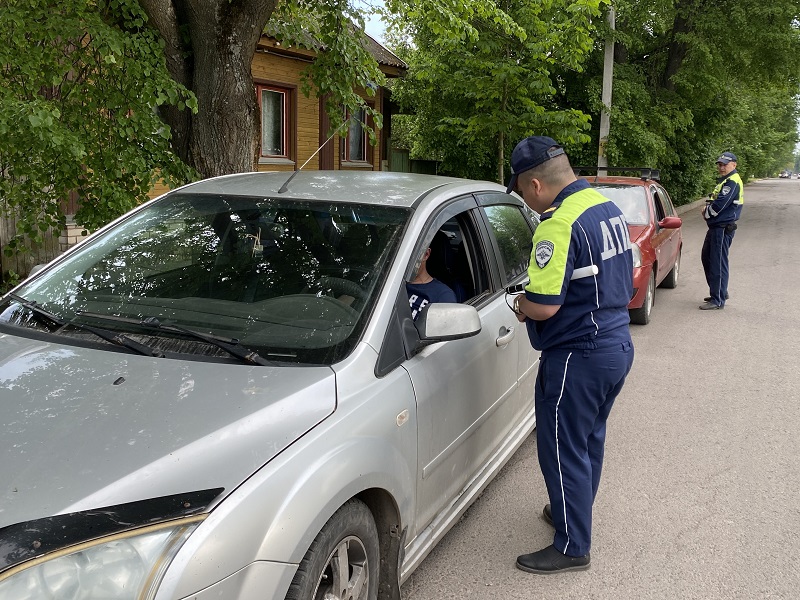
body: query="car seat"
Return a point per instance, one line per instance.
(448, 263)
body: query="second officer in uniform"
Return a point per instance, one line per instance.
(721, 212)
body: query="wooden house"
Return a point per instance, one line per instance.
(293, 127)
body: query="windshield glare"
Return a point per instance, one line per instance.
(631, 200)
(291, 280)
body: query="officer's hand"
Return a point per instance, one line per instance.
(520, 317)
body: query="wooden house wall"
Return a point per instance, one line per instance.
(271, 68)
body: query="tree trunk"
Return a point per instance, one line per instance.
(180, 64)
(677, 49)
(501, 159)
(501, 138)
(223, 136)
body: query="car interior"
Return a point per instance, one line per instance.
(448, 263)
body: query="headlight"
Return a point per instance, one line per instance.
(126, 566)
(637, 255)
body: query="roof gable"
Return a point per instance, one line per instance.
(308, 47)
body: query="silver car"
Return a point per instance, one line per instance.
(223, 393)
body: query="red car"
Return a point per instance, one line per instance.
(655, 231)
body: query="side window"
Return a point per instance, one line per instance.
(668, 207)
(514, 238)
(456, 259)
(660, 214)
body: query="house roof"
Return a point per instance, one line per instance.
(383, 55)
(310, 46)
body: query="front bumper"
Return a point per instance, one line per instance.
(641, 277)
(260, 580)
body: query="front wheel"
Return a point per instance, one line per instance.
(641, 316)
(342, 562)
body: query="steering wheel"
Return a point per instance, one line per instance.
(340, 286)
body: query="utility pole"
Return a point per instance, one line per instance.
(608, 78)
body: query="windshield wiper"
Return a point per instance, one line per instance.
(36, 309)
(230, 345)
(109, 336)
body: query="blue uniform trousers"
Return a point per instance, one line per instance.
(575, 390)
(715, 262)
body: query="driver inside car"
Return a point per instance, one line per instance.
(424, 288)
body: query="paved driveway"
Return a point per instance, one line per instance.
(700, 498)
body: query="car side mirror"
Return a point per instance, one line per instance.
(444, 321)
(670, 223)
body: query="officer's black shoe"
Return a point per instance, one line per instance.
(709, 298)
(710, 306)
(547, 514)
(550, 560)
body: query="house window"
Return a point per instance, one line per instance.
(275, 112)
(354, 148)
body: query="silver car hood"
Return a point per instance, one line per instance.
(74, 436)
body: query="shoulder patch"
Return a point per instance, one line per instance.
(544, 252)
(726, 190)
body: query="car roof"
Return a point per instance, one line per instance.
(367, 187)
(619, 180)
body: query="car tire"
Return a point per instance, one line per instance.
(349, 537)
(641, 316)
(671, 280)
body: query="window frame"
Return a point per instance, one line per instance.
(486, 199)
(669, 207)
(658, 204)
(477, 246)
(288, 121)
(501, 260)
(344, 146)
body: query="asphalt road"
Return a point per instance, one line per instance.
(700, 496)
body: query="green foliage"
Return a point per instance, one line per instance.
(691, 80)
(343, 66)
(79, 87)
(483, 75)
(732, 85)
(11, 280)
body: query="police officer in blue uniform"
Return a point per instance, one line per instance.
(721, 212)
(581, 328)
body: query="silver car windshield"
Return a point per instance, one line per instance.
(631, 200)
(291, 280)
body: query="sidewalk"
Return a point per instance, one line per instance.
(698, 203)
(684, 208)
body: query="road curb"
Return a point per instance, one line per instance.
(684, 208)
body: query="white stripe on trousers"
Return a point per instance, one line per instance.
(558, 453)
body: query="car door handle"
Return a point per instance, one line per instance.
(506, 335)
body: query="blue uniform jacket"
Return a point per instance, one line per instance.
(726, 207)
(581, 228)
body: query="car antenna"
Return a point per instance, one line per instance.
(285, 186)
